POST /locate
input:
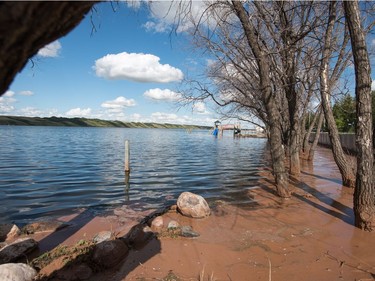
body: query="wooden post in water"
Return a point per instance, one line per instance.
(127, 156)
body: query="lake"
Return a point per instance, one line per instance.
(47, 172)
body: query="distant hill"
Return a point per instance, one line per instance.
(85, 122)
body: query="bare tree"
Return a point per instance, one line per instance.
(364, 194)
(327, 80)
(260, 67)
(311, 150)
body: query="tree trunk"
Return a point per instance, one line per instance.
(306, 146)
(316, 138)
(325, 91)
(26, 27)
(277, 151)
(303, 131)
(364, 193)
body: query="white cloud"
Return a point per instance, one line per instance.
(26, 93)
(185, 15)
(119, 104)
(136, 67)
(200, 107)
(162, 95)
(165, 14)
(6, 108)
(373, 85)
(136, 117)
(9, 94)
(51, 50)
(164, 117)
(6, 101)
(31, 112)
(134, 4)
(78, 112)
(158, 27)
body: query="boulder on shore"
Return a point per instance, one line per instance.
(193, 205)
(17, 249)
(109, 253)
(17, 272)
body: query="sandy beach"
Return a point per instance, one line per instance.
(308, 237)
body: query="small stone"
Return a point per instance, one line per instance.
(8, 231)
(187, 231)
(147, 229)
(173, 208)
(173, 224)
(17, 272)
(14, 232)
(102, 236)
(138, 236)
(157, 223)
(193, 205)
(17, 249)
(43, 226)
(110, 253)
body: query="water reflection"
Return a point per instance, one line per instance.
(50, 171)
(127, 186)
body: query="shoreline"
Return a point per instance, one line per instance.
(308, 237)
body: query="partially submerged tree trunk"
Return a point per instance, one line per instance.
(306, 145)
(364, 193)
(325, 90)
(277, 151)
(316, 137)
(26, 27)
(289, 54)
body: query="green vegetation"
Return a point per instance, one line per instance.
(84, 122)
(345, 113)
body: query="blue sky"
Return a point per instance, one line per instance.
(116, 65)
(121, 63)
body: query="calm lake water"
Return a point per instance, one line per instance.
(53, 171)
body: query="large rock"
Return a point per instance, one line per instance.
(17, 249)
(193, 205)
(17, 272)
(110, 253)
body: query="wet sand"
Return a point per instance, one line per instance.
(308, 237)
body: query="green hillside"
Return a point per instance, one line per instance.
(85, 122)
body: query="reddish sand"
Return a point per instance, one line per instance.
(308, 237)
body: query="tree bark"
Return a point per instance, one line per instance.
(277, 151)
(306, 145)
(316, 138)
(325, 91)
(364, 193)
(26, 27)
(288, 58)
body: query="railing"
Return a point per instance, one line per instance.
(347, 140)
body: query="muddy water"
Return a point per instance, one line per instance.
(308, 237)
